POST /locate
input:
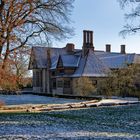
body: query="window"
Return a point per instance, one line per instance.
(54, 84)
(61, 71)
(66, 84)
(53, 73)
(59, 84)
(37, 79)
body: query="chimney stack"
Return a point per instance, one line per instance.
(123, 49)
(87, 41)
(108, 47)
(70, 47)
(88, 38)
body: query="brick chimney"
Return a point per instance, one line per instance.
(123, 49)
(87, 41)
(108, 47)
(70, 47)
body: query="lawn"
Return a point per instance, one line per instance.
(33, 99)
(119, 122)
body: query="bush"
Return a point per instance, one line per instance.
(8, 81)
(2, 103)
(107, 87)
(29, 85)
(121, 82)
(83, 86)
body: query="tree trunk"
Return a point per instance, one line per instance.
(1, 43)
(5, 59)
(0, 52)
(1, 6)
(7, 51)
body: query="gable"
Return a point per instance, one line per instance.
(94, 66)
(60, 62)
(40, 56)
(32, 61)
(91, 66)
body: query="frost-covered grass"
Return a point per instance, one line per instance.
(33, 99)
(119, 122)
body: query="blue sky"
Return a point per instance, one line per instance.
(106, 19)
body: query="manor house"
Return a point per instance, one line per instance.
(55, 69)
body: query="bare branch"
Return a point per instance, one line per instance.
(30, 20)
(132, 18)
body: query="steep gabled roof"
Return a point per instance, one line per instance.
(40, 55)
(54, 62)
(111, 60)
(70, 60)
(32, 61)
(118, 60)
(91, 66)
(67, 61)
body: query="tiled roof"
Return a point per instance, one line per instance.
(118, 60)
(70, 60)
(54, 62)
(40, 55)
(67, 60)
(95, 63)
(91, 66)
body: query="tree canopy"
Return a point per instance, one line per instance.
(24, 23)
(28, 22)
(132, 16)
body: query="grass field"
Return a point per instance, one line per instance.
(33, 99)
(119, 122)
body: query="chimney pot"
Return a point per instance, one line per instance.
(108, 47)
(88, 38)
(123, 49)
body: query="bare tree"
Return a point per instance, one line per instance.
(8, 81)
(28, 22)
(18, 61)
(132, 17)
(16, 74)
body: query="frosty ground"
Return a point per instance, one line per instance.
(119, 122)
(33, 99)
